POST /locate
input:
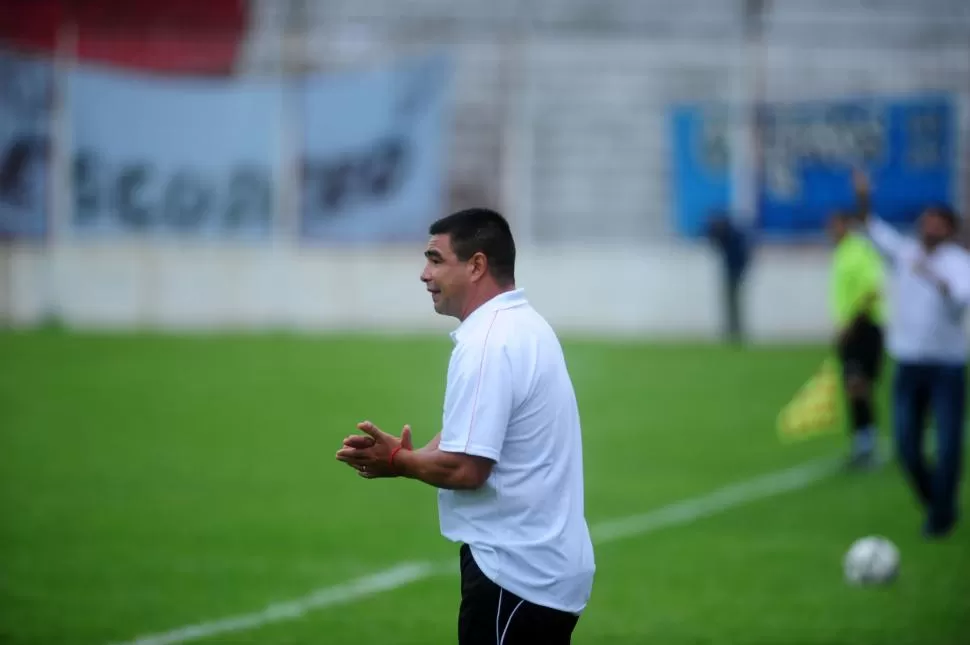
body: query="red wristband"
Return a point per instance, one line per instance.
(394, 454)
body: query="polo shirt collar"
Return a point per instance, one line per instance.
(506, 300)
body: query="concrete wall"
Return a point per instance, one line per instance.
(662, 291)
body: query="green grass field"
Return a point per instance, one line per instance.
(148, 483)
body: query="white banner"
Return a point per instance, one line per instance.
(26, 90)
(182, 157)
(374, 150)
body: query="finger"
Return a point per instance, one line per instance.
(370, 428)
(359, 450)
(352, 456)
(406, 441)
(358, 441)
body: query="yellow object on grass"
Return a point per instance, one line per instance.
(815, 410)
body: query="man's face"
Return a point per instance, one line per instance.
(446, 277)
(934, 229)
(837, 228)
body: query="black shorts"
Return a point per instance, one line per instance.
(490, 615)
(862, 351)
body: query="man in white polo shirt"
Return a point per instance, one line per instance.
(929, 294)
(508, 461)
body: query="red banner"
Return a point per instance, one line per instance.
(164, 36)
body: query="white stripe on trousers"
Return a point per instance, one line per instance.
(500, 636)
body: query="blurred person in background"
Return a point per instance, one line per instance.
(929, 294)
(859, 314)
(735, 249)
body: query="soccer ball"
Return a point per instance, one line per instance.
(872, 560)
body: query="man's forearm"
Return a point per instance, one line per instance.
(861, 188)
(435, 467)
(863, 205)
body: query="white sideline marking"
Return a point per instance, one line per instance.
(684, 512)
(393, 578)
(718, 501)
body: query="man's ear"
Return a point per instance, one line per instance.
(478, 265)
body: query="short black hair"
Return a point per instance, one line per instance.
(481, 230)
(948, 214)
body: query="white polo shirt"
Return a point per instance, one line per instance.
(510, 399)
(924, 326)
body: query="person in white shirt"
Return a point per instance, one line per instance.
(508, 461)
(929, 293)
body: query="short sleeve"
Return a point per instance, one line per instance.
(478, 401)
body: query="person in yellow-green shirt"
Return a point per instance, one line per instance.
(858, 309)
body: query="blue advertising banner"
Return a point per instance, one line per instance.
(26, 91)
(808, 151)
(157, 156)
(373, 157)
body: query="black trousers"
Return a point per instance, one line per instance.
(490, 615)
(862, 352)
(733, 324)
